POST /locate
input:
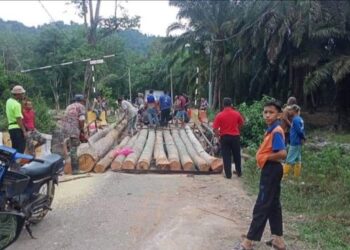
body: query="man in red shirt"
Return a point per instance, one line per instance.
(227, 126)
(34, 139)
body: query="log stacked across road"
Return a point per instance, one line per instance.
(161, 150)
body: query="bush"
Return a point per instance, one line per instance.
(253, 130)
(43, 119)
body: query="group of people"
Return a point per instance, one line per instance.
(155, 112)
(21, 122)
(283, 126)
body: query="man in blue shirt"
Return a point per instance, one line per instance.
(165, 105)
(297, 137)
(151, 110)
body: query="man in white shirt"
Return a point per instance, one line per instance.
(130, 113)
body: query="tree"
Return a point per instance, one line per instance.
(107, 27)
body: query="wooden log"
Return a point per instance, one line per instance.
(106, 161)
(67, 166)
(99, 149)
(215, 164)
(146, 156)
(118, 161)
(197, 159)
(131, 160)
(99, 135)
(186, 161)
(159, 152)
(173, 154)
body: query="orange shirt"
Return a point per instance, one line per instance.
(273, 141)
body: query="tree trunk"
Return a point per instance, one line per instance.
(197, 159)
(146, 156)
(159, 153)
(97, 150)
(99, 135)
(118, 161)
(131, 160)
(186, 161)
(106, 161)
(214, 163)
(173, 154)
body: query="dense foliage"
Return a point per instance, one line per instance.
(276, 48)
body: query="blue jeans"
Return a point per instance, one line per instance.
(152, 116)
(294, 155)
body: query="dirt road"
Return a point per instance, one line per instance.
(124, 211)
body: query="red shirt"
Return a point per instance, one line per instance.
(228, 122)
(29, 119)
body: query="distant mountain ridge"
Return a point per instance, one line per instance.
(133, 40)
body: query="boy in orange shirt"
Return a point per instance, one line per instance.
(268, 206)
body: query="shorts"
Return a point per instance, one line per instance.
(294, 155)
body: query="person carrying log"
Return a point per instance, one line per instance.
(73, 128)
(130, 114)
(227, 125)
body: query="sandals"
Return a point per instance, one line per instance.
(270, 243)
(239, 246)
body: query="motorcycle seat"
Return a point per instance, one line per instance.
(53, 164)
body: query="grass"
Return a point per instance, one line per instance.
(318, 202)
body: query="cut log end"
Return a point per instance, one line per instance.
(143, 165)
(127, 164)
(67, 167)
(86, 163)
(204, 167)
(188, 166)
(217, 165)
(100, 168)
(163, 164)
(175, 165)
(116, 165)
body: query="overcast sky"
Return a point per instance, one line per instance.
(155, 15)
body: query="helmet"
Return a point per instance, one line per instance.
(18, 89)
(78, 98)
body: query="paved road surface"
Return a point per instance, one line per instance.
(124, 211)
(148, 212)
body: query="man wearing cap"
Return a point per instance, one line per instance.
(73, 128)
(14, 115)
(227, 125)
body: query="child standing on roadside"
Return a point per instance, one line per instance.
(268, 206)
(296, 137)
(34, 139)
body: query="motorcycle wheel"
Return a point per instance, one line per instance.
(47, 189)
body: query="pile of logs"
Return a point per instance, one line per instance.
(170, 150)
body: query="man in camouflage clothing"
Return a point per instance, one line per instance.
(73, 128)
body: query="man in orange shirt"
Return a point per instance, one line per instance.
(268, 206)
(227, 126)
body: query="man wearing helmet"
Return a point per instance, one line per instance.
(14, 115)
(73, 128)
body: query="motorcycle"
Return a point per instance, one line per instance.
(11, 227)
(29, 190)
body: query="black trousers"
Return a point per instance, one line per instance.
(164, 117)
(230, 145)
(17, 139)
(268, 205)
